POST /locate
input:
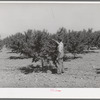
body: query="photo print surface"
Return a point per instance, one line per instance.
(49, 45)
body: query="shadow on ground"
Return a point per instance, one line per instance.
(12, 52)
(69, 58)
(92, 51)
(97, 70)
(30, 68)
(18, 57)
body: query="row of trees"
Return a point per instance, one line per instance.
(1, 43)
(38, 44)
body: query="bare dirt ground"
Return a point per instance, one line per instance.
(79, 73)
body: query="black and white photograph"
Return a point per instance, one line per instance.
(50, 45)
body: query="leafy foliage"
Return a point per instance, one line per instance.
(75, 43)
(38, 44)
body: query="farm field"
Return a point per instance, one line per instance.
(79, 73)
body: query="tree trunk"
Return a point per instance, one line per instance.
(74, 55)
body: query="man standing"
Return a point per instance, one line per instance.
(59, 63)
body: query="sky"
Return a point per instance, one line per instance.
(19, 17)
